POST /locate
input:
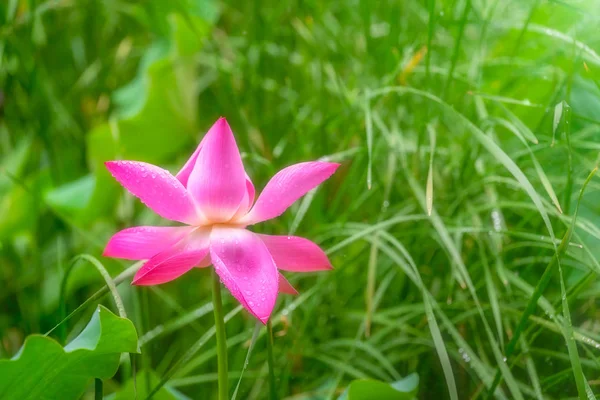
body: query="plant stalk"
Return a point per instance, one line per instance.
(98, 389)
(272, 386)
(221, 339)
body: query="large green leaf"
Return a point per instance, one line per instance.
(155, 117)
(72, 198)
(366, 389)
(156, 112)
(43, 369)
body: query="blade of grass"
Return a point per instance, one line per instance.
(485, 141)
(430, 31)
(429, 189)
(369, 132)
(531, 370)
(567, 328)
(492, 293)
(191, 352)
(128, 273)
(524, 29)
(368, 348)
(566, 118)
(372, 266)
(110, 285)
(542, 283)
(456, 259)
(517, 130)
(257, 328)
(507, 100)
(590, 55)
(457, 44)
(271, 362)
(176, 323)
(521, 129)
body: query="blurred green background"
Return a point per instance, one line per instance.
(465, 130)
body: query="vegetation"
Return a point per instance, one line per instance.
(463, 224)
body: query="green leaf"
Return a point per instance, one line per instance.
(155, 117)
(72, 197)
(42, 369)
(163, 96)
(101, 147)
(409, 384)
(365, 389)
(93, 195)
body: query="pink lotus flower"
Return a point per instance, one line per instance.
(214, 197)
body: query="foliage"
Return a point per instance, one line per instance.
(42, 369)
(466, 130)
(364, 389)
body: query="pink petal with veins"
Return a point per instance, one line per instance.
(144, 242)
(156, 188)
(246, 268)
(287, 186)
(285, 287)
(175, 261)
(293, 253)
(218, 180)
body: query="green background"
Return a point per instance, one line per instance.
(465, 130)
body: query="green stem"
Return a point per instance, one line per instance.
(272, 386)
(221, 339)
(99, 392)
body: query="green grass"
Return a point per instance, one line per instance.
(466, 131)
